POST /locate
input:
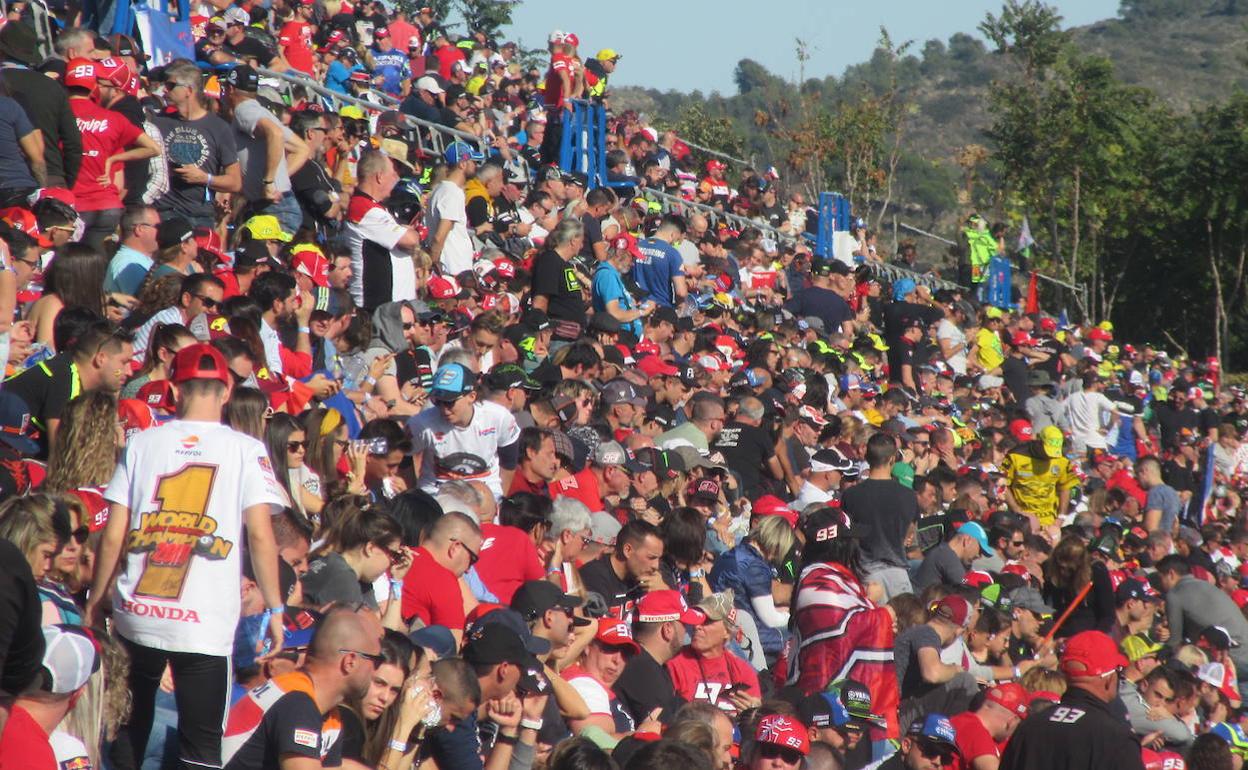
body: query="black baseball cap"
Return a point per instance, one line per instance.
(535, 597)
(173, 231)
(663, 313)
(507, 376)
(244, 78)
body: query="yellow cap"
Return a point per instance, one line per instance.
(265, 227)
(1137, 646)
(351, 111)
(993, 312)
(1051, 438)
(607, 54)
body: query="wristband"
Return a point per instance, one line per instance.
(305, 330)
(396, 587)
(1018, 674)
(370, 379)
(208, 184)
(277, 610)
(531, 724)
(506, 740)
(399, 746)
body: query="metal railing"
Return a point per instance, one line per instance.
(433, 138)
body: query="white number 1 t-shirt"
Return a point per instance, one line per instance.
(186, 484)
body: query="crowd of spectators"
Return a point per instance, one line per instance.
(318, 449)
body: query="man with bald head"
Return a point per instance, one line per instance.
(747, 448)
(291, 721)
(431, 588)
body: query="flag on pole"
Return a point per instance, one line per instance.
(1033, 295)
(1025, 241)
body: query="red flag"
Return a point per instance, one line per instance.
(1033, 300)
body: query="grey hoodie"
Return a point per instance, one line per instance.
(387, 334)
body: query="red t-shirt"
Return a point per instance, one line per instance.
(554, 84)
(581, 486)
(973, 740)
(104, 134)
(697, 678)
(520, 484)
(401, 32)
(24, 745)
(508, 558)
(296, 41)
(447, 55)
(1126, 482)
(431, 593)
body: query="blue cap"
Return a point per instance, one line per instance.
(1233, 735)
(461, 151)
(436, 638)
(976, 530)
(451, 382)
(902, 287)
(935, 727)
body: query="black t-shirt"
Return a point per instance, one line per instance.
(136, 172)
(1014, 372)
(799, 458)
(415, 366)
(21, 640)
(745, 449)
(352, 736)
(1055, 350)
(314, 191)
(621, 596)
(291, 725)
(46, 389)
(555, 279)
(593, 234)
(645, 685)
(890, 509)
(1171, 421)
(824, 304)
(904, 353)
(249, 48)
(478, 211)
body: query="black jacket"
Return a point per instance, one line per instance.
(47, 106)
(1079, 733)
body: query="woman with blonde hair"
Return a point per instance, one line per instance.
(105, 703)
(36, 527)
(59, 587)
(748, 569)
(85, 453)
(1068, 572)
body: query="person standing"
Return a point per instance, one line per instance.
(381, 249)
(1088, 412)
(446, 217)
(556, 283)
(45, 104)
(893, 509)
(105, 135)
(658, 269)
(180, 499)
(200, 148)
(1081, 732)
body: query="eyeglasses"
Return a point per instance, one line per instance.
(342, 443)
(296, 446)
(408, 326)
(375, 658)
(473, 556)
(31, 262)
(1018, 542)
(208, 302)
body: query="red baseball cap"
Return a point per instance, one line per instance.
(115, 72)
(666, 605)
(653, 366)
(135, 416)
(1098, 333)
(157, 394)
(382, 32)
(626, 242)
(200, 362)
(505, 267)
(1048, 324)
(24, 220)
(1011, 696)
(313, 264)
(1091, 654)
(1022, 430)
(616, 632)
(954, 609)
(445, 287)
(1023, 338)
(782, 730)
(80, 73)
(770, 505)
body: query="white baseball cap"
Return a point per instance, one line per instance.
(428, 83)
(70, 657)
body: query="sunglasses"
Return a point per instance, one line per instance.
(342, 443)
(375, 658)
(296, 446)
(473, 556)
(209, 302)
(80, 535)
(933, 750)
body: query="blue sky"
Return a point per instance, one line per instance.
(688, 44)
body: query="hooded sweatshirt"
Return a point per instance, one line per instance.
(387, 335)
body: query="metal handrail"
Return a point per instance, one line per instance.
(716, 153)
(437, 135)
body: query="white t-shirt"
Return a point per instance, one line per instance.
(492, 427)
(70, 752)
(810, 494)
(447, 202)
(186, 484)
(378, 270)
(948, 330)
(1085, 412)
(143, 335)
(596, 697)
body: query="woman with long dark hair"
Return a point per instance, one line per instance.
(1067, 571)
(360, 544)
(75, 279)
(165, 342)
(839, 632)
(287, 442)
(684, 548)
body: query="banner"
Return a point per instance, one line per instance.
(163, 38)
